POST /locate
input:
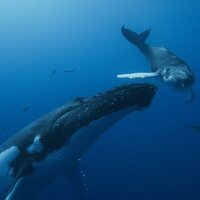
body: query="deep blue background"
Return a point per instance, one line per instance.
(148, 155)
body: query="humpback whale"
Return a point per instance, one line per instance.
(163, 63)
(51, 146)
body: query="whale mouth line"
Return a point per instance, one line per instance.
(179, 76)
(124, 90)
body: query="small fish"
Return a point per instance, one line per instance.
(193, 127)
(53, 72)
(3, 129)
(25, 108)
(69, 70)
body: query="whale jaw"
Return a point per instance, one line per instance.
(177, 76)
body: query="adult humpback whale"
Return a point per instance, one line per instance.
(163, 63)
(51, 146)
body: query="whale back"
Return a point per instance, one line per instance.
(160, 57)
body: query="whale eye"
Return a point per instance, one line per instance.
(167, 70)
(166, 73)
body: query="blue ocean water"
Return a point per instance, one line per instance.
(147, 155)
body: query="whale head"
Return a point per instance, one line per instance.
(178, 76)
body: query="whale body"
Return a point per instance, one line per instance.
(53, 145)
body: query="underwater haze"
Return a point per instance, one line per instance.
(54, 51)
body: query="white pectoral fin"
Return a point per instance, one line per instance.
(28, 187)
(25, 188)
(140, 75)
(10, 195)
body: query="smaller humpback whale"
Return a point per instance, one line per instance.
(51, 146)
(163, 63)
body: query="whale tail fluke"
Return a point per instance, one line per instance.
(136, 39)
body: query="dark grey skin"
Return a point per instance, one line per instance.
(51, 146)
(165, 65)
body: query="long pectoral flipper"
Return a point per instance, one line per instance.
(139, 75)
